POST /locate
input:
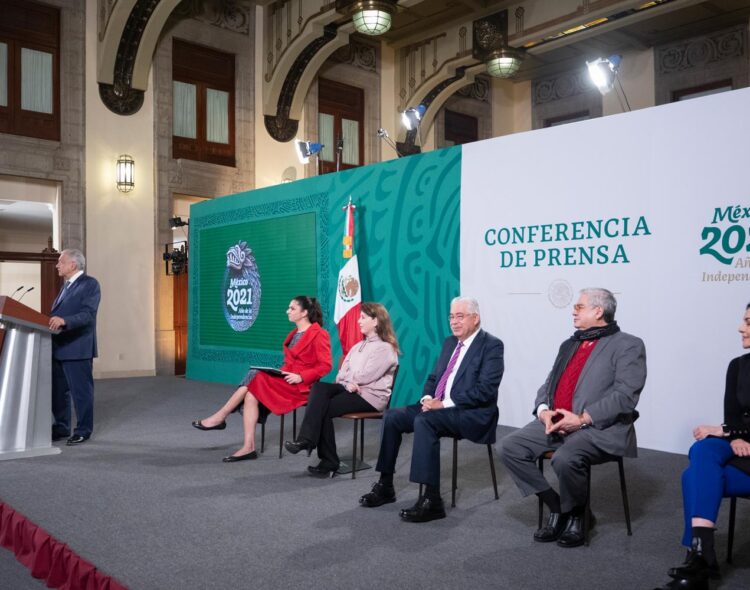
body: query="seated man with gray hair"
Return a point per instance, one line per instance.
(459, 400)
(585, 412)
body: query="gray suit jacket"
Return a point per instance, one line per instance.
(608, 389)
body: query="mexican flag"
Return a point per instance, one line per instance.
(348, 288)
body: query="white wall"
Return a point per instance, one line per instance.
(683, 302)
(120, 226)
(26, 274)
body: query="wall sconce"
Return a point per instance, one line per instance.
(491, 46)
(125, 173)
(372, 17)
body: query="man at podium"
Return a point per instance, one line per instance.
(74, 348)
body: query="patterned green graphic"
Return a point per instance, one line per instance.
(406, 240)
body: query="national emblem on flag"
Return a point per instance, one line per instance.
(348, 288)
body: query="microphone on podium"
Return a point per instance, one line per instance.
(16, 291)
(24, 293)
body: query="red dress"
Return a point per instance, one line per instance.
(310, 358)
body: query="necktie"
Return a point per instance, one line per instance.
(440, 389)
(62, 294)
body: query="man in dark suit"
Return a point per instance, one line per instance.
(585, 412)
(459, 399)
(74, 348)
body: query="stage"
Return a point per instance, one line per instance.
(149, 502)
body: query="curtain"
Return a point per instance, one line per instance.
(3, 75)
(183, 109)
(217, 116)
(36, 81)
(350, 133)
(325, 136)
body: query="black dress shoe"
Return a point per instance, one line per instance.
(199, 425)
(321, 471)
(246, 457)
(76, 439)
(553, 529)
(296, 446)
(380, 494)
(57, 435)
(695, 566)
(685, 584)
(425, 510)
(573, 535)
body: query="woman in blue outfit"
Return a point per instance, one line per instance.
(719, 467)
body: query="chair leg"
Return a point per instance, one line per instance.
(492, 470)
(541, 504)
(730, 534)
(587, 511)
(262, 437)
(354, 450)
(624, 491)
(281, 437)
(455, 473)
(362, 441)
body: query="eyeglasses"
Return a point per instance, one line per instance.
(580, 306)
(459, 317)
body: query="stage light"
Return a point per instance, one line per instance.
(125, 173)
(175, 222)
(372, 17)
(305, 149)
(504, 62)
(411, 117)
(383, 134)
(603, 72)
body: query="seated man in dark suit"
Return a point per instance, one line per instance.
(460, 399)
(585, 412)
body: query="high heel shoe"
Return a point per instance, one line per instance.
(296, 446)
(199, 425)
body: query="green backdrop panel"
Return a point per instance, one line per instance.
(406, 240)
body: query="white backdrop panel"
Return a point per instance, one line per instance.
(672, 168)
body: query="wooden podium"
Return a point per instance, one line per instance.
(25, 382)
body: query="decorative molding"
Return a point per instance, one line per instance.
(490, 33)
(702, 51)
(280, 126)
(479, 90)
(232, 15)
(559, 87)
(361, 55)
(104, 11)
(120, 97)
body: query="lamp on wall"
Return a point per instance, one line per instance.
(491, 46)
(372, 17)
(504, 62)
(125, 173)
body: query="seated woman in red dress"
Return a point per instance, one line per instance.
(363, 384)
(307, 357)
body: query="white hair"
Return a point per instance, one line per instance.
(76, 256)
(471, 303)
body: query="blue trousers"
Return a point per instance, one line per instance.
(707, 480)
(428, 428)
(73, 379)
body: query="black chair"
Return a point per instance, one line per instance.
(732, 515)
(359, 426)
(587, 511)
(281, 432)
(454, 476)
(454, 481)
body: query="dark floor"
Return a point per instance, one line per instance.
(149, 501)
